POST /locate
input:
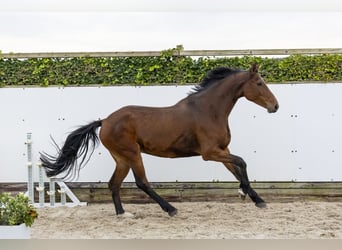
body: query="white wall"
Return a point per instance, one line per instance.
(301, 142)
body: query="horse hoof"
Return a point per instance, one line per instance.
(126, 215)
(261, 205)
(173, 212)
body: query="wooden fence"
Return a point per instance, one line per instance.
(177, 52)
(98, 192)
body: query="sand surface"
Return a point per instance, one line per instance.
(195, 220)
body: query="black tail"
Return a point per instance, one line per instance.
(76, 145)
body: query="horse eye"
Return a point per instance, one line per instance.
(259, 83)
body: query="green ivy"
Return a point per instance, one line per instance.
(165, 69)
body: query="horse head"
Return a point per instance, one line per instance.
(256, 90)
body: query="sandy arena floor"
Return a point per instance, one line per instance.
(195, 220)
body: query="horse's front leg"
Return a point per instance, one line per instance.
(236, 171)
(240, 167)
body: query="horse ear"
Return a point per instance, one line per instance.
(254, 69)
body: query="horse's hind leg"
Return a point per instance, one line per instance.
(114, 185)
(143, 184)
(240, 168)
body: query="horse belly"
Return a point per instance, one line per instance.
(184, 145)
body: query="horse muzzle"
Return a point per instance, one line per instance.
(273, 109)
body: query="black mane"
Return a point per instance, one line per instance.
(212, 77)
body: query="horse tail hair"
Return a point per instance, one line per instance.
(76, 146)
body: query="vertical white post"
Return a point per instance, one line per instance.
(30, 184)
(41, 187)
(52, 192)
(63, 196)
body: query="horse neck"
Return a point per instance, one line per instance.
(220, 98)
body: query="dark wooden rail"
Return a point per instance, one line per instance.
(94, 192)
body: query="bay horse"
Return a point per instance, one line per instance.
(195, 126)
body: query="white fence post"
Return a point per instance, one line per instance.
(41, 187)
(30, 183)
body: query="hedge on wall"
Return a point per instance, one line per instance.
(164, 69)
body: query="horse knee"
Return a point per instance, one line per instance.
(238, 161)
(243, 164)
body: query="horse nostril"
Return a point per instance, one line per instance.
(276, 107)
